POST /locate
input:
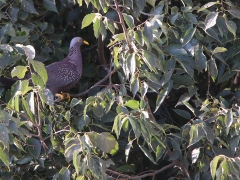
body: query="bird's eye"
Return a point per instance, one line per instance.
(79, 40)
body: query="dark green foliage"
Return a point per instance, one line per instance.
(165, 108)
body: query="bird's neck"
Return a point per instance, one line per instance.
(75, 57)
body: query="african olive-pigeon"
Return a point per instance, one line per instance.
(62, 75)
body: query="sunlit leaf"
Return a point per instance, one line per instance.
(211, 20)
(129, 20)
(201, 60)
(19, 71)
(133, 104)
(209, 4)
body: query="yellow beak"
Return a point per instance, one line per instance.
(85, 42)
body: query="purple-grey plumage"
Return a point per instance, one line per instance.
(62, 75)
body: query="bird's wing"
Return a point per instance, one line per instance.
(61, 75)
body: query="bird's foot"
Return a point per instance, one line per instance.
(62, 96)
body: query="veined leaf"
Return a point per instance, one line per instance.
(133, 104)
(213, 69)
(219, 50)
(19, 71)
(188, 35)
(209, 4)
(235, 11)
(88, 19)
(28, 6)
(201, 60)
(211, 20)
(129, 20)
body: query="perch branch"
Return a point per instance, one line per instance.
(95, 85)
(123, 25)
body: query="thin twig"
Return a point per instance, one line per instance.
(95, 85)
(174, 163)
(123, 25)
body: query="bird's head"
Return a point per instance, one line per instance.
(77, 41)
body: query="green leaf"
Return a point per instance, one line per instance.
(219, 50)
(88, 19)
(163, 94)
(138, 37)
(107, 143)
(131, 63)
(19, 71)
(222, 27)
(210, 20)
(27, 110)
(147, 153)
(150, 60)
(135, 86)
(232, 27)
(102, 30)
(126, 169)
(135, 126)
(133, 104)
(34, 147)
(4, 158)
(4, 117)
(46, 96)
(189, 2)
(226, 76)
(144, 88)
(37, 80)
(96, 27)
(213, 165)
(158, 10)
(79, 2)
(235, 11)
(76, 161)
(148, 33)
(201, 60)
(209, 4)
(64, 174)
(176, 50)
(80, 121)
(50, 5)
(40, 69)
(117, 37)
(195, 154)
(115, 55)
(20, 39)
(151, 2)
(183, 113)
(228, 120)
(160, 151)
(129, 20)
(4, 138)
(212, 33)
(110, 26)
(28, 6)
(98, 110)
(213, 69)
(105, 5)
(190, 17)
(6, 47)
(188, 35)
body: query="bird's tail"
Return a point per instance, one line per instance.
(7, 82)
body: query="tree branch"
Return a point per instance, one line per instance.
(95, 85)
(123, 25)
(154, 173)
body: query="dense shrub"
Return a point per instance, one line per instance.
(158, 98)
